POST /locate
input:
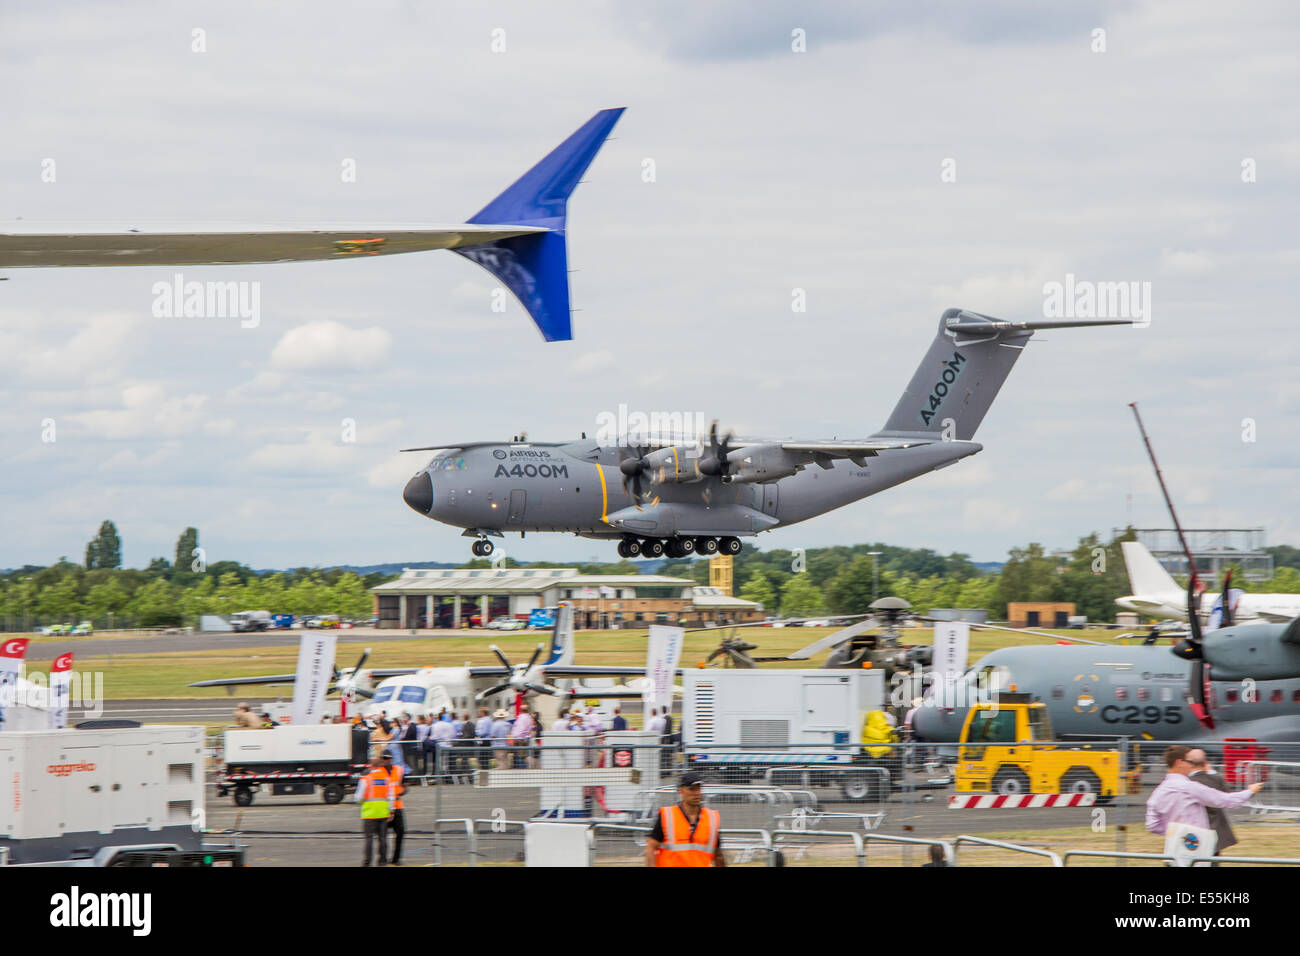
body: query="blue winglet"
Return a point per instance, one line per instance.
(535, 267)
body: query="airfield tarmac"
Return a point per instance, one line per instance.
(304, 831)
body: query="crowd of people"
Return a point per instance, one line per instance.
(451, 743)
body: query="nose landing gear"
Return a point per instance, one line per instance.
(482, 548)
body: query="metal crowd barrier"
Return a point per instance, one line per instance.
(1002, 845)
(1271, 860)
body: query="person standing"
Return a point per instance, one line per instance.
(422, 743)
(522, 734)
(1179, 799)
(442, 734)
(619, 722)
(376, 798)
(466, 742)
(687, 833)
(397, 822)
(500, 738)
(1203, 773)
(483, 733)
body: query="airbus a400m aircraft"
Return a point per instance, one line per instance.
(676, 497)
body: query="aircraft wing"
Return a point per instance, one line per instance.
(238, 245)
(519, 237)
(379, 674)
(236, 681)
(852, 449)
(591, 670)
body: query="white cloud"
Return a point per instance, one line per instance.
(1182, 262)
(329, 345)
(591, 362)
(147, 412)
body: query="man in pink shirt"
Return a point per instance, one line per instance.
(1180, 800)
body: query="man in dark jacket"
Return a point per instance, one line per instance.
(1203, 773)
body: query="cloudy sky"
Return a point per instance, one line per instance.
(774, 170)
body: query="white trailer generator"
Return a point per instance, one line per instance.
(126, 796)
(293, 759)
(742, 723)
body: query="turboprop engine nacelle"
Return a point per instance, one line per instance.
(678, 464)
(760, 463)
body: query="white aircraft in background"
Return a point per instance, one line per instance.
(417, 691)
(1156, 594)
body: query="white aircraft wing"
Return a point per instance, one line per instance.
(852, 449)
(179, 246)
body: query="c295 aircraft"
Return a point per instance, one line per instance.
(677, 496)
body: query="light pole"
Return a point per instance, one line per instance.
(875, 575)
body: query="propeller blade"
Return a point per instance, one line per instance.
(1225, 601)
(831, 640)
(483, 695)
(501, 657)
(361, 662)
(533, 660)
(543, 689)
(1193, 613)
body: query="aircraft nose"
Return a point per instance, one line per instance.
(418, 493)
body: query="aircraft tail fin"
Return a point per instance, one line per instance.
(1146, 575)
(956, 382)
(562, 637)
(535, 266)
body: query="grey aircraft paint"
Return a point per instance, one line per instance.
(491, 488)
(1120, 691)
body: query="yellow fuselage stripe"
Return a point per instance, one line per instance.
(604, 495)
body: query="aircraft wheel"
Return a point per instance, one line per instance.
(622, 550)
(673, 548)
(332, 792)
(729, 545)
(475, 549)
(243, 796)
(633, 547)
(1010, 781)
(486, 547)
(652, 547)
(687, 546)
(706, 545)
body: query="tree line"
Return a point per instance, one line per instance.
(820, 581)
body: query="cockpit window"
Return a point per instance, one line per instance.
(411, 694)
(449, 463)
(383, 694)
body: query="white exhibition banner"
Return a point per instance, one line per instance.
(315, 673)
(12, 653)
(663, 654)
(60, 684)
(951, 647)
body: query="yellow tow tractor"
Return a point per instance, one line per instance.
(1018, 754)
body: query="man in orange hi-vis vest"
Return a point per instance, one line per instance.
(686, 834)
(376, 794)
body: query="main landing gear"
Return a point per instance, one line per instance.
(482, 548)
(631, 547)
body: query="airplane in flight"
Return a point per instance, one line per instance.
(682, 495)
(1156, 594)
(519, 237)
(417, 691)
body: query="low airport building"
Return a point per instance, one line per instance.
(467, 597)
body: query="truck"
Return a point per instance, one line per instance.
(742, 723)
(294, 759)
(106, 796)
(244, 621)
(1012, 750)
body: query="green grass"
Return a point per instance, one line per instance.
(168, 674)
